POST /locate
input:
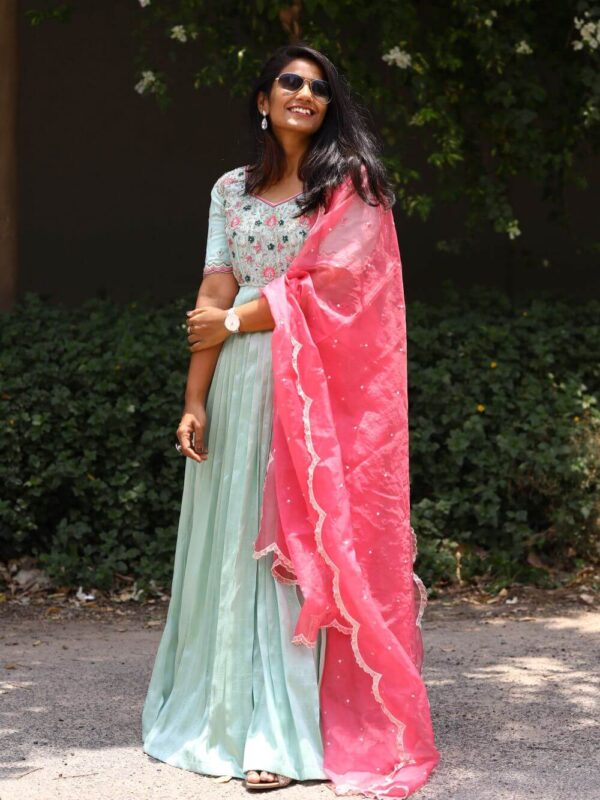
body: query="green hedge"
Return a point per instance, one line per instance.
(505, 436)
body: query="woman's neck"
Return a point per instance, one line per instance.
(294, 149)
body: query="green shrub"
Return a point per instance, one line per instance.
(91, 399)
(505, 436)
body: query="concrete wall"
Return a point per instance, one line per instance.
(114, 192)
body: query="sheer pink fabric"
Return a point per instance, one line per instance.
(336, 507)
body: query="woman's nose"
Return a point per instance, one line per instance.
(304, 91)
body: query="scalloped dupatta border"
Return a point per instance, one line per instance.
(388, 760)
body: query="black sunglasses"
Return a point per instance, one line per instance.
(291, 82)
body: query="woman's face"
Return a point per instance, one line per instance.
(280, 104)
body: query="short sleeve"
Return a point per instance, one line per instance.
(218, 258)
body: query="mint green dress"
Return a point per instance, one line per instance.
(229, 692)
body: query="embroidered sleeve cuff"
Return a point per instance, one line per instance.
(209, 269)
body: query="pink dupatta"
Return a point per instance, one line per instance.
(336, 502)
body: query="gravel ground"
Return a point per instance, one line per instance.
(514, 691)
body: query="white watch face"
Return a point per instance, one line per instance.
(232, 321)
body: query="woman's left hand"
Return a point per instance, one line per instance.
(206, 328)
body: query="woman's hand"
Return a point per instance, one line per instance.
(190, 432)
(206, 328)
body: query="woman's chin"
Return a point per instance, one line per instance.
(297, 125)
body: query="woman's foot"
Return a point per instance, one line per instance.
(254, 776)
(262, 779)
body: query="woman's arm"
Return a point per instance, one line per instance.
(207, 324)
(255, 316)
(217, 290)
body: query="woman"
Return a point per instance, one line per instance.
(302, 662)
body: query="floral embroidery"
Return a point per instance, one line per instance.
(256, 233)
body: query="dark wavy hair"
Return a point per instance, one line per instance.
(343, 146)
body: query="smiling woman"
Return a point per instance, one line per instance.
(292, 647)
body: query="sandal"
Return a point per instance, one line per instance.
(279, 782)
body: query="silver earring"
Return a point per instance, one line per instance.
(264, 124)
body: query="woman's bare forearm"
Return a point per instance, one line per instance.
(200, 374)
(255, 315)
(218, 291)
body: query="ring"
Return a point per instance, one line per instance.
(178, 448)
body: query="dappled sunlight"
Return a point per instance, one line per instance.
(440, 682)
(513, 701)
(585, 622)
(527, 674)
(7, 686)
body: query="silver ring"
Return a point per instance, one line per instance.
(178, 448)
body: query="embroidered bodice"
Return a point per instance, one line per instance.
(250, 236)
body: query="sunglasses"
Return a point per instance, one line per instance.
(290, 82)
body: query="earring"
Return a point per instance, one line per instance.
(264, 124)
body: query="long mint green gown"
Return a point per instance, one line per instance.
(229, 692)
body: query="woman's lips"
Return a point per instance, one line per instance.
(308, 113)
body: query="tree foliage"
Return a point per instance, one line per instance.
(467, 95)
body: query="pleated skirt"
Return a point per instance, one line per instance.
(229, 692)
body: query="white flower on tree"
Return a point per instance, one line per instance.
(179, 33)
(513, 229)
(398, 57)
(589, 30)
(523, 48)
(489, 21)
(147, 83)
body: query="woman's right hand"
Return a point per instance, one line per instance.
(190, 432)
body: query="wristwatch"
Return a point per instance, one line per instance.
(232, 321)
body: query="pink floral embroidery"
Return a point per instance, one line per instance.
(251, 234)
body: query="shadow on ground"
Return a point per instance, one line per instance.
(514, 697)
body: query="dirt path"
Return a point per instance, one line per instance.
(514, 691)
